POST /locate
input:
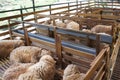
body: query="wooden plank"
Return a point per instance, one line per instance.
(5, 26)
(66, 49)
(93, 68)
(101, 77)
(99, 73)
(37, 40)
(7, 31)
(10, 30)
(79, 53)
(80, 61)
(27, 40)
(114, 55)
(59, 49)
(97, 44)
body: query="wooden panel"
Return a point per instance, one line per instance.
(99, 73)
(74, 59)
(79, 53)
(94, 66)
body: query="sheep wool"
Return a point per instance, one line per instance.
(6, 46)
(43, 70)
(13, 72)
(73, 25)
(72, 73)
(102, 29)
(25, 54)
(67, 21)
(86, 30)
(60, 24)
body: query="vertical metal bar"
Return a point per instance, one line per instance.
(10, 30)
(33, 2)
(77, 5)
(22, 18)
(112, 3)
(94, 3)
(80, 5)
(50, 9)
(68, 7)
(35, 17)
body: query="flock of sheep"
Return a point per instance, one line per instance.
(69, 24)
(34, 63)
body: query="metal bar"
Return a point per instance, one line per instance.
(10, 31)
(50, 9)
(22, 18)
(68, 7)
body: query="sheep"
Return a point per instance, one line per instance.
(27, 54)
(73, 25)
(86, 30)
(43, 70)
(6, 46)
(46, 22)
(13, 72)
(67, 21)
(102, 29)
(60, 24)
(72, 72)
(18, 38)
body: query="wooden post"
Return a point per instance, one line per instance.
(10, 30)
(108, 64)
(97, 44)
(88, 40)
(59, 49)
(27, 40)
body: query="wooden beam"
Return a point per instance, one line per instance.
(59, 49)
(27, 40)
(94, 66)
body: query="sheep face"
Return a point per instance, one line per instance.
(71, 73)
(47, 59)
(13, 72)
(73, 25)
(6, 46)
(25, 54)
(42, 70)
(102, 29)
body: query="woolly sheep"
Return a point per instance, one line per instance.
(6, 46)
(102, 29)
(46, 23)
(67, 21)
(43, 70)
(86, 30)
(60, 24)
(13, 72)
(72, 73)
(73, 25)
(27, 54)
